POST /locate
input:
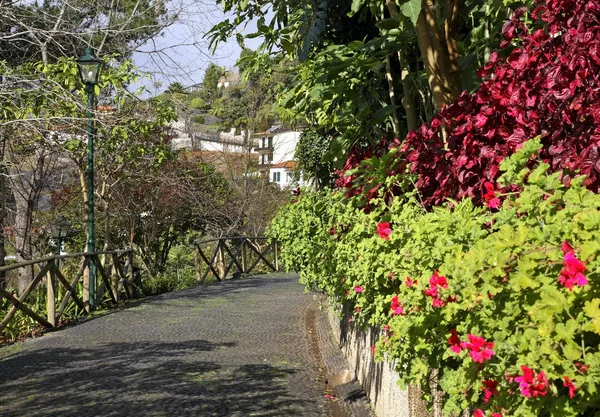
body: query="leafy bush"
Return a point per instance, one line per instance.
(547, 86)
(502, 306)
(179, 273)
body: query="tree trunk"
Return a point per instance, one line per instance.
(3, 211)
(389, 76)
(435, 55)
(26, 182)
(450, 25)
(408, 98)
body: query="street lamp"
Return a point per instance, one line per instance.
(89, 71)
(60, 230)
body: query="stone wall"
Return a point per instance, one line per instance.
(379, 380)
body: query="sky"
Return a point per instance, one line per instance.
(182, 53)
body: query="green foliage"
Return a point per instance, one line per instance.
(178, 274)
(503, 268)
(310, 153)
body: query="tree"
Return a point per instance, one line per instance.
(36, 101)
(45, 31)
(359, 72)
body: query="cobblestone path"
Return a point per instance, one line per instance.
(240, 348)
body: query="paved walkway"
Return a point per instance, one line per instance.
(240, 348)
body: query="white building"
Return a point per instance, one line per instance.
(275, 148)
(187, 136)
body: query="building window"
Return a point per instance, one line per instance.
(270, 141)
(270, 156)
(288, 176)
(263, 159)
(264, 143)
(276, 176)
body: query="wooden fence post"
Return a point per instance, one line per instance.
(276, 255)
(221, 261)
(51, 291)
(197, 267)
(244, 256)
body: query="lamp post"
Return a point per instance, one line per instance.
(60, 230)
(89, 71)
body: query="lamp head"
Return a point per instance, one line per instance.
(90, 67)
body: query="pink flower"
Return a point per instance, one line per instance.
(383, 230)
(573, 269)
(396, 307)
(357, 309)
(358, 289)
(490, 388)
(532, 385)
(569, 384)
(454, 341)
(436, 282)
(391, 276)
(496, 414)
(478, 413)
(373, 350)
(566, 247)
(479, 349)
(386, 328)
(409, 282)
(491, 201)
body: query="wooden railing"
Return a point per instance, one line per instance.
(113, 278)
(246, 253)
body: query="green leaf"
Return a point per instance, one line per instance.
(592, 310)
(384, 112)
(411, 9)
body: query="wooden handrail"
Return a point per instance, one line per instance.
(113, 277)
(237, 254)
(55, 257)
(232, 238)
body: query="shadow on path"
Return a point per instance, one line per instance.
(118, 365)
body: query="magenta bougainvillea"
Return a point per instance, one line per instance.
(549, 85)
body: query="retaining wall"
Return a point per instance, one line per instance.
(379, 380)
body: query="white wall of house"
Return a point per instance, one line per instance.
(284, 146)
(281, 176)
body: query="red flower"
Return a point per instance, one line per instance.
(573, 269)
(490, 389)
(569, 384)
(383, 230)
(409, 282)
(373, 350)
(454, 341)
(496, 414)
(491, 201)
(397, 308)
(435, 283)
(478, 413)
(532, 385)
(479, 349)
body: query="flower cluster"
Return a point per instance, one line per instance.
(478, 348)
(573, 269)
(437, 282)
(396, 307)
(383, 230)
(532, 385)
(570, 386)
(489, 195)
(490, 388)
